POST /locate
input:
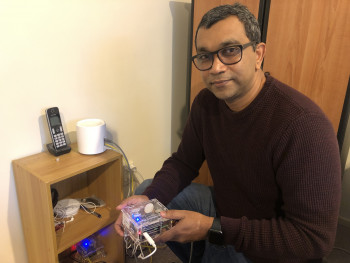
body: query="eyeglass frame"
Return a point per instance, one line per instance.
(242, 47)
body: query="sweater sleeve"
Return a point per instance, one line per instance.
(182, 167)
(307, 167)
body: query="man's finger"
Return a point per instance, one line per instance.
(118, 226)
(131, 201)
(164, 237)
(173, 214)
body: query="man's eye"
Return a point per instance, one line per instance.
(203, 57)
(230, 51)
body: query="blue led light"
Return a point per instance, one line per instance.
(137, 218)
(86, 243)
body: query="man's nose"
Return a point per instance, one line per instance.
(218, 66)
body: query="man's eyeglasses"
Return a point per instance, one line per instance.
(228, 55)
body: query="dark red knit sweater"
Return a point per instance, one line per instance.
(276, 172)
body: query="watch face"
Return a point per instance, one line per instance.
(215, 235)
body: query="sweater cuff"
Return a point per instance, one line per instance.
(230, 228)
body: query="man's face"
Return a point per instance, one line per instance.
(227, 82)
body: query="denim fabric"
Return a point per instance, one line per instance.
(198, 198)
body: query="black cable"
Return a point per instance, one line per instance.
(342, 249)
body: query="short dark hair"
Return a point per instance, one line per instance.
(251, 25)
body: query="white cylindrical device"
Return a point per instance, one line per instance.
(90, 136)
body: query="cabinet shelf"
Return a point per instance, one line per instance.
(73, 175)
(83, 226)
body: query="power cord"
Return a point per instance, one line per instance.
(87, 210)
(113, 146)
(152, 243)
(191, 252)
(342, 249)
(135, 245)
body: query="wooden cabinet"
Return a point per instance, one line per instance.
(74, 176)
(307, 43)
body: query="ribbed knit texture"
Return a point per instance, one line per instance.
(276, 172)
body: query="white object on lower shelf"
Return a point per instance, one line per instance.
(66, 208)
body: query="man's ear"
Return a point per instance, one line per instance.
(260, 50)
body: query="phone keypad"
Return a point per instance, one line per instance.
(60, 140)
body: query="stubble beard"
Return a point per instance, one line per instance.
(233, 94)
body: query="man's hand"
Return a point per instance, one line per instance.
(192, 226)
(135, 199)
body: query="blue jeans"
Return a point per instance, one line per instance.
(198, 198)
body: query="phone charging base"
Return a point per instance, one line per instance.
(58, 152)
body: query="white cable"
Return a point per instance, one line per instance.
(140, 175)
(191, 253)
(66, 208)
(149, 239)
(88, 203)
(126, 159)
(151, 242)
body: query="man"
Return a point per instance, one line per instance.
(271, 151)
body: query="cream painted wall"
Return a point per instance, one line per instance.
(109, 59)
(120, 60)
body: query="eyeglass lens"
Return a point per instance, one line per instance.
(227, 55)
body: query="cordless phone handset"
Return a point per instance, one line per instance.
(59, 145)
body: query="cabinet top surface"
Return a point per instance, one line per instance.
(51, 169)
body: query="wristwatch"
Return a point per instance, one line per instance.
(215, 235)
